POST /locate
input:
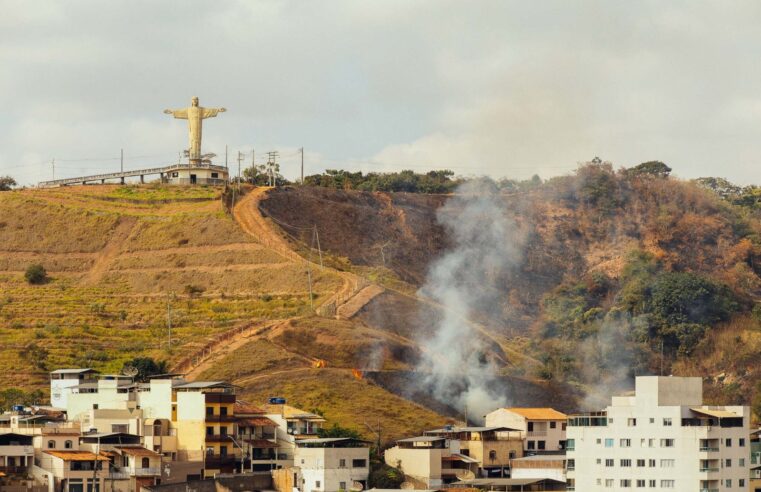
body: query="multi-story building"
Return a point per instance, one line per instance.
(16, 454)
(62, 380)
(72, 470)
(294, 422)
(492, 447)
(543, 428)
(663, 437)
(538, 466)
(258, 436)
(332, 464)
(431, 461)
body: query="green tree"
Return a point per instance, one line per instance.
(145, 367)
(651, 168)
(338, 431)
(683, 297)
(383, 476)
(36, 354)
(6, 183)
(36, 274)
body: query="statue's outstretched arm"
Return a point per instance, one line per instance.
(212, 112)
(177, 113)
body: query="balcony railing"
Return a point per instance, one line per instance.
(218, 460)
(709, 490)
(221, 418)
(708, 470)
(537, 433)
(14, 470)
(708, 449)
(143, 472)
(218, 437)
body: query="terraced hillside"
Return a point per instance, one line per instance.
(122, 262)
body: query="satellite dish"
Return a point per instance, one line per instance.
(356, 487)
(130, 371)
(465, 475)
(407, 486)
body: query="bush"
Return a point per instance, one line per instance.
(35, 274)
(145, 367)
(6, 183)
(689, 298)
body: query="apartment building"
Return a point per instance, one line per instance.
(492, 447)
(332, 464)
(258, 436)
(544, 429)
(62, 380)
(72, 470)
(431, 461)
(661, 438)
(16, 454)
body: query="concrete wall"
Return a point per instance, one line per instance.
(323, 465)
(235, 483)
(424, 464)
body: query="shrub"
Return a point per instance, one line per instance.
(194, 290)
(145, 367)
(35, 274)
(689, 298)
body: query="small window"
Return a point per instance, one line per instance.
(216, 175)
(210, 431)
(631, 422)
(553, 425)
(223, 411)
(531, 427)
(667, 422)
(317, 484)
(342, 464)
(51, 444)
(540, 445)
(341, 485)
(68, 445)
(359, 463)
(174, 175)
(741, 442)
(608, 443)
(667, 443)
(146, 463)
(209, 410)
(728, 442)
(530, 444)
(492, 455)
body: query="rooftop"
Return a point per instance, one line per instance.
(76, 455)
(445, 430)
(538, 413)
(137, 451)
(72, 371)
(289, 412)
(421, 439)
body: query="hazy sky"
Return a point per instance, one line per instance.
(500, 88)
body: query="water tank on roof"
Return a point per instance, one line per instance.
(276, 400)
(18, 408)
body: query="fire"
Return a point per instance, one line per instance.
(357, 374)
(319, 364)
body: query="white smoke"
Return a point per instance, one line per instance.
(485, 246)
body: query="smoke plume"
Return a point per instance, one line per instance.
(485, 246)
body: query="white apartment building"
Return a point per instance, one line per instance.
(662, 438)
(332, 464)
(62, 380)
(543, 428)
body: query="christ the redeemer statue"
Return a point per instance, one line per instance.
(195, 114)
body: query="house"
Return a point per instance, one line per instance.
(258, 436)
(431, 461)
(332, 464)
(661, 437)
(134, 467)
(539, 466)
(73, 471)
(16, 454)
(62, 380)
(294, 422)
(512, 484)
(492, 447)
(544, 428)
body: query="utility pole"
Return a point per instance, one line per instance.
(121, 161)
(53, 164)
(271, 165)
(169, 320)
(302, 166)
(253, 167)
(240, 158)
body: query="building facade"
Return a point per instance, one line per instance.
(543, 429)
(661, 438)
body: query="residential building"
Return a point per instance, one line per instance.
(294, 422)
(62, 380)
(431, 461)
(16, 454)
(661, 437)
(543, 429)
(133, 467)
(332, 464)
(72, 470)
(492, 447)
(539, 466)
(258, 436)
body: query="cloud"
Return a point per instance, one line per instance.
(502, 88)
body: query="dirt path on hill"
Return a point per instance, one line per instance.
(111, 250)
(251, 220)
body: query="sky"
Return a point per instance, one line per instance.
(499, 88)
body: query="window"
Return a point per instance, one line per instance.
(223, 431)
(210, 431)
(599, 461)
(667, 422)
(652, 420)
(317, 484)
(68, 445)
(51, 444)
(563, 425)
(608, 443)
(553, 425)
(728, 482)
(741, 483)
(625, 463)
(223, 450)
(667, 463)
(223, 411)
(625, 482)
(641, 464)
(540, 445)
(530, 444)
(651, 483)
(631, 422)
(643, 443)
(572, 464)
(609, 482)
(216, 175)
(610, 421)
(359, 463)
(651, 443)
(599, 441)
(146, 463)
(609, 462)
(742, 462)
(341, 485)
(728, 442)
(667, 484)
(342, 464)
(651, 464)
(667, 443)
(741, 442)
(531, 427)
(174, 175)
(625, 443)
(728, 463)
(209, 410)
(640, 483)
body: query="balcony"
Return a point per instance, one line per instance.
(708, 449)
(537, 433)
(708, 470)
(219, 397)
(218, 437)
(221, 418)
(218, 461)
(709, 490)
(14, 470)
(147, 472)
